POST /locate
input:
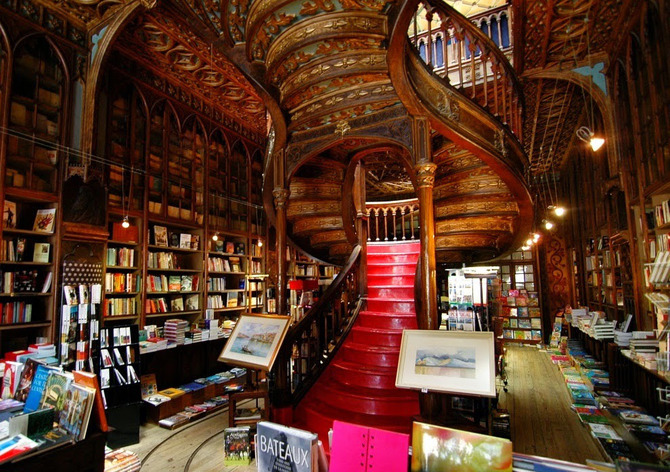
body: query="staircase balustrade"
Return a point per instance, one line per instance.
(461, 53)
(311, 342)
(393, 221)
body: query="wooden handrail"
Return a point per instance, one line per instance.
(312, 342)
(497, 87)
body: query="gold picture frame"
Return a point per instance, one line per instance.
(456, 362)
(255, 341)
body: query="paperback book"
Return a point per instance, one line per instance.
(281, 448)
(236, 446)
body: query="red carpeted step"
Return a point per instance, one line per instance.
(391, 248)
(375, 337)
(391, 291)
(365, 400)
(370, 355)
(405, 258)
(371, 319)
(386, 305)
(385, 279)
(389, 268)
(356, 375)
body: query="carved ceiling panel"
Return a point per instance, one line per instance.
(386, 178)
(564, 31)
(556, 107)
(162, 43)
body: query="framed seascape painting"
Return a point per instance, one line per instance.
(447, 361)
(255, 341)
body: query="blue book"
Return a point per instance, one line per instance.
(37, 388)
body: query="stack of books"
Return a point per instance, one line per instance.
(603, 330)
(622, 339)
(175, 330)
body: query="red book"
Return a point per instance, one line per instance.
(11, 356)
(91, 380)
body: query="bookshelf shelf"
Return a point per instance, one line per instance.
(27, 232)
(183, 271)
(172, 313)
(25, 294)
(120, 317)
(173, 249)
(122, 294)
(232, 308)
(173, 292)
(26, 263)
(13, 326)
(122, 268)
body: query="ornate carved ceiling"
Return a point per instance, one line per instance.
(559, 36)
(161, 42)
(386, 178)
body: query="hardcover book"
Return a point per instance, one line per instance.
(438, 448)
(44, 220)
(160, 236)
(91, 380)
(353, 449)
(37, 387)
(9, 215)
(76, 412)
(55, 390)
(281, 448)
(26, 379)
(41, 252)
(236, 446)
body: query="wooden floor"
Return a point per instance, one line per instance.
(538, 401)
(539, 404)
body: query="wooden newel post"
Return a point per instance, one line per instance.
(427, 319)
(362, 224)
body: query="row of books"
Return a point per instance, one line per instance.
(520, 301)
(173, 283)
(115, 282)
(120, 306)
(227, 247)
(20, 281)
(660, 269)
(16, 312)
(521, 311)
(526, 335)
(120, 257)
(226, 300)
(222, 264)
(216, 284)
(15, 251)
(163, 260)
(160, 305)
(662, 213)
(522, 323)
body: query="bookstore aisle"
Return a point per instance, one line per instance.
(196, 447)
(539, 405)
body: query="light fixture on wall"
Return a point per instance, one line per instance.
(126, 222)
(585, 134)
(557, 210)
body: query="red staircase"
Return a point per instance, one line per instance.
(359, 384)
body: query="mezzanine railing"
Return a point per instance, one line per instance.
(393, 221)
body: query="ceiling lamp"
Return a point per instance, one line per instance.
(586, 135)
(548, 224)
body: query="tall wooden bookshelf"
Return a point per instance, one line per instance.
(37, 122)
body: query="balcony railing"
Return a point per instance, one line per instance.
(393, 221)
(465, 55)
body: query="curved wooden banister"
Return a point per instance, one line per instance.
(312, 342)
(497, 88)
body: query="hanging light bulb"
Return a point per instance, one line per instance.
(260, 243)
(529, 242)
(536, 237)
(126, 223)
(525, 248)
(215, 237)
(586, 135)
(548, 224)
(559, 211)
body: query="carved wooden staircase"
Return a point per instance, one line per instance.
(359, 384)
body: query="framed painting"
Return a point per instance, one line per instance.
(455, 362)
(255, 341)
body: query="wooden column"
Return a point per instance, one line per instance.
(425, 178)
